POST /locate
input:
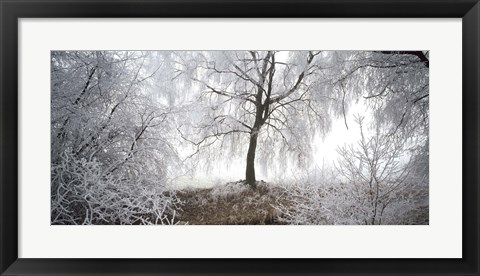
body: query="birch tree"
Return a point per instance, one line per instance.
(278, 101)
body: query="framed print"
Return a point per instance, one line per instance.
(219, 137)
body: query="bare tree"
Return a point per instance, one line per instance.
(109, 147)
(273, 98)
(395, 84)
(379, 167)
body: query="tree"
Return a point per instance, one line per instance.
(273, 98)
(374, 181)
(395, 85)
(110, 152)
(380, 169)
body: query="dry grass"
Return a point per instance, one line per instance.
(235, 203)
(232, 204)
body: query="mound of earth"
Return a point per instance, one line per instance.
(232, 204)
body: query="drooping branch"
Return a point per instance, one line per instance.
(295, 87)
(343, 104)
(423, 58)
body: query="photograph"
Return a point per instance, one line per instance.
(239, 137)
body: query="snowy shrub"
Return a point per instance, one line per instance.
(111, 154)
(308, 200)
(377, 182)
(83, 194)
(312, 200)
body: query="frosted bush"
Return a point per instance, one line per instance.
(377, 181)
(313, 200)
(83, 194)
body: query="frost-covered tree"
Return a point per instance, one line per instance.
(375, 181)
(395, 85)
(380, 170)
(279, 100)
(109, 142)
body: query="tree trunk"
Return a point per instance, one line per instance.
(250, 173)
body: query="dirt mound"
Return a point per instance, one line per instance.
(232, 204)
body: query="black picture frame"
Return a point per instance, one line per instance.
(11, 11)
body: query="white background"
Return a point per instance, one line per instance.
(442, 238)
